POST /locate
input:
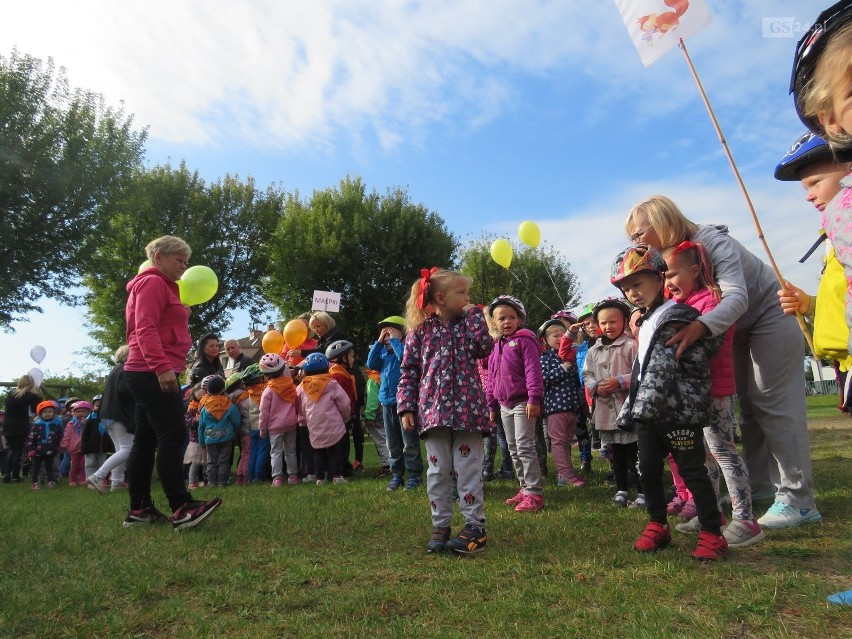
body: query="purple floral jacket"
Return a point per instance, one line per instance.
(440, 379)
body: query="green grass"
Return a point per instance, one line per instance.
(349, 561)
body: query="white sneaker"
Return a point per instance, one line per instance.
(620, 499)
(96, 483)
(340, 480)
(691, 526)
(741, 533)
(309, 479)
(781, 515)
(639, 502)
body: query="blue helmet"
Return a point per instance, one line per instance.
(809, 148)
(315, 363)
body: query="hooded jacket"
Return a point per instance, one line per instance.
(514, 371)
(388, 362)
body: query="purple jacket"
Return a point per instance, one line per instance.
(514, 371)
(440, 378)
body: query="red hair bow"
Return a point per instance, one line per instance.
(683, 246)
(423, 286)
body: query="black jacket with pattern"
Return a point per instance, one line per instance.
(671, 392)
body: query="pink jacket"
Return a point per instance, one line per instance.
(72, 437)
(722, 365)
(326, 418)
(157, 324)
(276, 415)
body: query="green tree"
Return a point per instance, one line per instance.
(366, 246)
(228, 226)
(538, 274)
(63, 152)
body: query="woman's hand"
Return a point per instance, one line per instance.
(793, 300)
(168, 382)
(687, 336)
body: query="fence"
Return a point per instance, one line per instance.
(825, 387)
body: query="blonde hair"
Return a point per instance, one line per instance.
(121, 354)
(671, 226)
(695, 254)
(26, 384)
(167, 245)
(323, 318)
(832, 70)
(438, 283)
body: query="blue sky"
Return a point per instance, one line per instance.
(490, 113)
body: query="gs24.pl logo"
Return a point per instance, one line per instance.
(784, 27)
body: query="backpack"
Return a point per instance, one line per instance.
(831, 333)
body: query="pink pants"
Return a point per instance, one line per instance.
(78, 469)
(242, 464)
(562, 427)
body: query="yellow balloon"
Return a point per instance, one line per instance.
(501, 252)
(198, 285)
(144, 265)
(272, 342)
(529, 233)
(295, 332)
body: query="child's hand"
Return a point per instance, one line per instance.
(393, 333)
(408, 421)
(793, 300)
(608, 386)
(533, 411)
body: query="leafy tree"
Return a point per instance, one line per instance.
(366, 246)
(538, 274)
(63, 152)
(228, 226)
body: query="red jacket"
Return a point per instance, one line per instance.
(722, 365)
(157, 324)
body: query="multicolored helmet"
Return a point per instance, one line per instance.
(251, 374)
(508, 300)
(206, 381)
(641, 258)
(611, 302)
(271, 363)
(315, 363)
(233, 380)
(586, 311)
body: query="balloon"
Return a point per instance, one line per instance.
(38, 354)
(144, 265)
(198, 285)
(529, 233)
(272, 342)
(37, 375)
(295, 332)
(501, 252)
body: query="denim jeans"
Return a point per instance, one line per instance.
(259, 456)
(403, 445)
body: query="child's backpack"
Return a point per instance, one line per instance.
(831, 333)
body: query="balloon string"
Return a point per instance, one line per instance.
(526, 288)
(555, 288)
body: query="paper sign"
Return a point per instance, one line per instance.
(326, 301)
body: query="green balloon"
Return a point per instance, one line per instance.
(198, 285)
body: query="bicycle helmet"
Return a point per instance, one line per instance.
(271, 363)
(315, 363)
(338, 348)
(586, 311)
(216, 385)
(566, 315)
(641, 258)
(542, 330)
(508, 300)
(611, 302)
(97, 398)
(206, 381)
(47, 404)
(233, 380)
(807, 149)
(82, 404)
(252, 374)
(394, 321)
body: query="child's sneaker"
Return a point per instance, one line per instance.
(320, 482)
(438, 540)
(620, 499)
(710, 547)
(781, 515)
(193, 513)
(149, 515)
(117, 486)
(72, 484)
(293, 480)
(675, 506)
(339, 480)
(309, 478)
(530, 504)
(396, 483)
(655, 537)
(639, 502)
(357, 466)
(572, 479)
(278, 482)
(586, 466)
(35, 486)
(193, 485)
(51, 484)
(413, 482)
(688, 511)
(470, 541)
(742, 533)
(517, 499)
(689, 527)
(384, 471)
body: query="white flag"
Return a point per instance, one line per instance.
(655, 26)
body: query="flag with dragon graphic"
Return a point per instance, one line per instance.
(655, 26)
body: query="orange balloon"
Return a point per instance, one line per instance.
(295, 332)
(272, 342)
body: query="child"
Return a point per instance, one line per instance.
(278, 419)
(72, 440)
(561, 402)
(516, 389)
(341, 357)
(44, 441)
(386, 355)
(195, 455)
(606, 376)
(669, 402)
(440, 397)
(323, 407)
(240, 397)
(373, 423)
(96, 445)
(579, 337)
(498, 438)
(259, 453)
(217, 426)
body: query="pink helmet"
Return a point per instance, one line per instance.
(270, 363)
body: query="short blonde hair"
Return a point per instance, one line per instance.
(833, 68)
(322, 318)
(167, 245)
(672, 226)
(121, 354)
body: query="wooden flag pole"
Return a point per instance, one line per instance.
(736, 171)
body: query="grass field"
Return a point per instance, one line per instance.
(349, 561)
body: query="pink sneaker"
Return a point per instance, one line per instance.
(278, 482)
(675, 505)
(655, 537)
(517, 499)
(530, 504)
(193, 485)
(293, 480)
(688, 511)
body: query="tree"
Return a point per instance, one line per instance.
(541, 272)
(63, 153)
(228, 225)
(367, 247)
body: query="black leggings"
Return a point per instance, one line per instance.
(623, 459)
(47, 460)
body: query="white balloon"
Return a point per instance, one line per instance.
(37, 375)
(38, 354)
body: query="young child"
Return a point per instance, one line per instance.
(579, 336)
(73, 439)
(195, 455)
(606, 376)
(561, 402)
(440, 397)
(689, 279)
(239, 396)
(498, 438)
(516, 389)
(323, 407)
(373, 422)
(342, 368)
(217, 427)
(669, 402)
(259, 453)
(278, 419)
(44, 441)
(96, 445)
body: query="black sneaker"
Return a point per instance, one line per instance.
(438, 540)
(193, 513)
(586, 467)
(144, 516)
(470, 541)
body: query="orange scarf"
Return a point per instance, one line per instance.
(314, 385)
(255, 391)
(376, 376)
(193, 405)
(216, 405)
(242, 396)
(337, 369)
(284, 388)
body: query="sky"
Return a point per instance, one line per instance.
(488, 112)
